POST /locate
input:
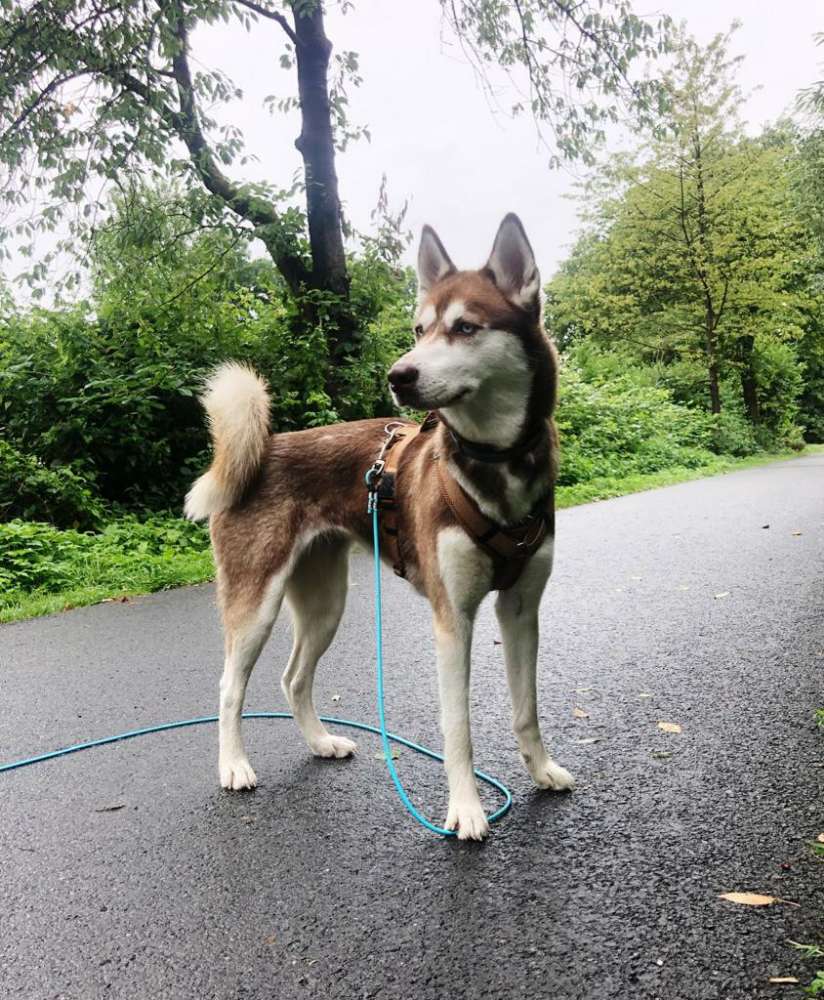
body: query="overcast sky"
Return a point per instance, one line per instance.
(461, 165)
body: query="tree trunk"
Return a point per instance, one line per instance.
(711, 315)
(316, 144)
(749, 383)
(712, 369)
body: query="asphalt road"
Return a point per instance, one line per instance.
(318, 886)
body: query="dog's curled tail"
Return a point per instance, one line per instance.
(236, 401)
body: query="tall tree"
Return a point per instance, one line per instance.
(697, 254)
(680, 235)
(704, 104)
(95, 90)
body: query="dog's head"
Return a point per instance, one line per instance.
(475, 331)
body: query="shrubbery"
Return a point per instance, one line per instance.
(100, 425)
(620, 427)
(128, 555)
(31, 490)
(112, 396)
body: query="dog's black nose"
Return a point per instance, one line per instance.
(402, 375)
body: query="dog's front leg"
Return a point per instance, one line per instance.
(517, 611)
(453, 637)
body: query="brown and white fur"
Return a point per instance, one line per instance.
(284, 510)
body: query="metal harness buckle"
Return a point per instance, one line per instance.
(374, 474)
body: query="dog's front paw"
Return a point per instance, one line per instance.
(236, 773)
(468, 819)
(333, 746)
(552, 776)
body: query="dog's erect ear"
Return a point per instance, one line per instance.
(512, 264)
(433, 261)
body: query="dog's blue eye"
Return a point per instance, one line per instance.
(468, 328)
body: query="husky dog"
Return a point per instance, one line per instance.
(284, 509)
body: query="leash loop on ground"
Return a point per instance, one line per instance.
(372, 478)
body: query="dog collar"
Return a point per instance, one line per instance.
(487, 453)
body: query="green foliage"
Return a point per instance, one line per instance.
(816, 987)
(36, 556)
(110, 388)
(570, 53)
(781, 383)
(699, 258)
(621, 426)
(128, 554)
(732, 434)
(33, 491)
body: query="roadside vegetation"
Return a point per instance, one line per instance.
(689, 313)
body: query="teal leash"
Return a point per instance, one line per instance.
(387, 737)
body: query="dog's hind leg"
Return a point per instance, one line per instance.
(316, 594)
(517, 611)
(246, 632)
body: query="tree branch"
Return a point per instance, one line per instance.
(272, 15)
(33, 105)
(186, 126)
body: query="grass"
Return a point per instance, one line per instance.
(128, 559)
(43, 569)
(607, 487)
(157, 573)
(816, 987)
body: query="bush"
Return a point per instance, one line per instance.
(732, 433)
(36, 556)
(622, 427)
(113, 393)
(780, 385)
(128, 554)
(31, 490)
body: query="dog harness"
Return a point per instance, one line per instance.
(509, 546)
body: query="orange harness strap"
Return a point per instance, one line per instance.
(387, 494)
(510, 546)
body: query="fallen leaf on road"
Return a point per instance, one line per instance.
(394, 754)
(797, 534)
(582, 690)
(579, 713)
(724, 593)
(748, 898)
(669, 727)
(661, 754)
(590, 739)
(820, 838)
(644, 694)
(754, 899)
(272, 939)
(111, 809)
(783, 979)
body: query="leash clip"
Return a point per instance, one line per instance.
(374, 473)
(372, 479)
